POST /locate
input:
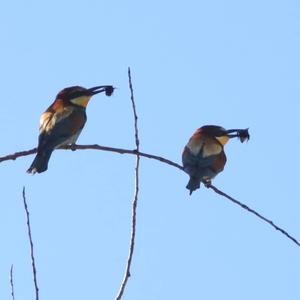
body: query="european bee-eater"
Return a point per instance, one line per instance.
(203, 157)
(63, 121)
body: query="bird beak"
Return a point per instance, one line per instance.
(108, 89)
(242, 134)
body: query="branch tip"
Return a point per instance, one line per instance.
(31, 246)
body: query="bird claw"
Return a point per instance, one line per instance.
(73, 147)
(207, 183)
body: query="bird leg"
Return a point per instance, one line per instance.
(73, 147)
(206, 182)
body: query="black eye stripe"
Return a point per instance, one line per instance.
(76, 94)
(72, 92)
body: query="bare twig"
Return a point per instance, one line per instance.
(147, 155)
(136, 192)
(11, 280)
(31, 247)
(244, 206)
(17, 154)
(94, 147)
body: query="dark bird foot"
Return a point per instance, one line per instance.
(207, 183)
(73, 147)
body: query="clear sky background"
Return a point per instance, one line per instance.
(229, 63)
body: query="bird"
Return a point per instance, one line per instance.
(203, 157)
(62, 122)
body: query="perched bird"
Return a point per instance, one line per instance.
(63, 121)
(203, 157)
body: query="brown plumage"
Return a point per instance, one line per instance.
(62, 122)
(203, 157)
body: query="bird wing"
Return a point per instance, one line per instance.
(201, 150)
(201, 154)
(203, 166)
(219, 163)
(199, 160)
(57, 127)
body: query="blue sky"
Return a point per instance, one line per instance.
(229, 63)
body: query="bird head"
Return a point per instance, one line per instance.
(216, 132)
(223, 135)
(80, 96)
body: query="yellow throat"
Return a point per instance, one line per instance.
(223, 139)
(81, 101)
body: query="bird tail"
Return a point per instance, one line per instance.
(193, 184)
(40, 162)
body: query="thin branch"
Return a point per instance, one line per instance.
(136, 192)
(136, 130)
(94, 147)
(11, 281)
(244, 206)
(31, 247)
(17, 154)
(150, 156)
